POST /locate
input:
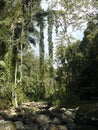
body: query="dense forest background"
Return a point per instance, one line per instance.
(25, 77)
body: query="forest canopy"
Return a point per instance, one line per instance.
(24, 76)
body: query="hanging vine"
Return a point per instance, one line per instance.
(50, 42)
(40, 19)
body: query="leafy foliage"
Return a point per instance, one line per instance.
(25, 77)
(77, 66)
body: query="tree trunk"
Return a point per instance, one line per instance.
(21, 75)
(14, 94)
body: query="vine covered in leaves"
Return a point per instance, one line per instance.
(50, 42)
(40, 20)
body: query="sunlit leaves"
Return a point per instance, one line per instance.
(2, 63)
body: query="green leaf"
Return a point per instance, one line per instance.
(2, 63)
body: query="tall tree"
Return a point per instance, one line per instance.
(17, 21)
(50, 42)
(88, 73)
(78, 63)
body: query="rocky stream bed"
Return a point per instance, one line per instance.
(39, 116)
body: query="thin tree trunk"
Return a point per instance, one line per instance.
(14, 94)
(21, 75)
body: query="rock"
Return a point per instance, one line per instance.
(56, 121)
(57, 127)
(31, 127)
(52, 108)
(34, 105)
(55, 113)
(42, 119)
(19, 125)
(63, 109)
(67, 119)
(52, 127)
(73, 110)
(29, 117)
(62, 127)
(44, 125)
(64, 117)
(2, 120)
(7, 125)
(37, 116)
(68, 113)
(12, 111)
